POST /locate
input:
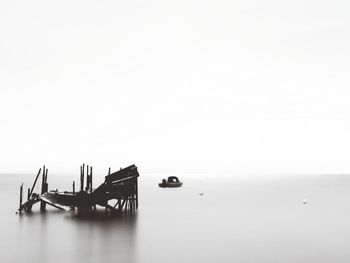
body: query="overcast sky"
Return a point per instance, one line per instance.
(243, 86)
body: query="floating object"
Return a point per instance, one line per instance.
(201, 194)
(118, 193)
(304, 201)
(172, 181)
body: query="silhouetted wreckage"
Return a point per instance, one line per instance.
(118, 193)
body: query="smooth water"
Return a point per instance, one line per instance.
(236, 219)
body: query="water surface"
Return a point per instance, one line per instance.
(236, 219)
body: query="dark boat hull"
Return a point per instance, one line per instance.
(170, 184)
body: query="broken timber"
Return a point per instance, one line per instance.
(118, 193)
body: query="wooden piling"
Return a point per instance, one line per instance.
(28, 195)
(36, 179)
(20, 197)
(46, 177)
(137, 195)
(44, 188)
(87, 179)
(74, 193)
(91, 179)
(81, 172)
(43, 179)
(82, 178)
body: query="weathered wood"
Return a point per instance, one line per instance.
(81, 172)
(120, 186)
(47, 170)
(87, 179)
(44, 188)
(43, 180)
(82, 179)
(20, 197)
(91, 179)
(127, 172)
(137, 194)
(46, 200)
(36, 179)
(122, 205)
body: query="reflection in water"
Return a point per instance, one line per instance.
(56, 235)
(104, 237)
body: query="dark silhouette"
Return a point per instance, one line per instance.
(120, 186)
(172, 181)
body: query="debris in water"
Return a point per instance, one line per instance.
(304, 201)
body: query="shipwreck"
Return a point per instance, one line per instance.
(118, 193)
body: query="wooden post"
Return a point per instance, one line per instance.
(91, 179)
(137, 195)
(81, 172)
(87, 179)
(122, 205)
(109, 171)
(20, 197)
(82, 178)
(46, 177)
(43, 180)
(46, 184)
(36, 179)
(28, 196)
(44, 188)
(74, 195)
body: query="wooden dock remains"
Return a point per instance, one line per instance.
(118, 193)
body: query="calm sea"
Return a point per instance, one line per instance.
(210, 219)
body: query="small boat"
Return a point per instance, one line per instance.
(172, 181)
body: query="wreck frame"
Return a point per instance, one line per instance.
(121, 187)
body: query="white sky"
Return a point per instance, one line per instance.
(244, 86)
